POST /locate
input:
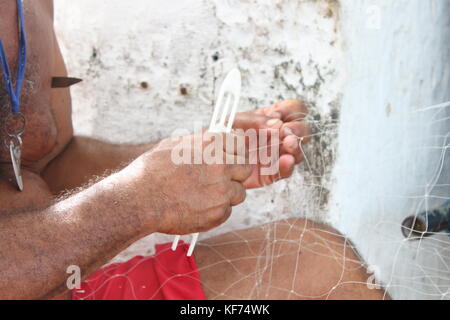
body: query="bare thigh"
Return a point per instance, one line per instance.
(289, 259)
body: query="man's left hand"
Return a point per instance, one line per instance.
(286, 117)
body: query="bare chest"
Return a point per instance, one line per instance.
(46, 110)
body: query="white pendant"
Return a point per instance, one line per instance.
(16, 153)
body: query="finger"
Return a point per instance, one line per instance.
(241, 156)
(237, 144)
(269, 112)
(213, 143)
(291, 145)
(299, 129)
(249, 120)
(226, 214)
(291, 110)
(215, 218)
(226, 145)
(254, 120)
(286, 165)
(285, 168)
(240, 172)
(237, 193)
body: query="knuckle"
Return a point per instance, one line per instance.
(218, 169)
(295, 103)
(225, 216)
(242, 196)
(222, 189)
(248, 168)
(260, 121)
(228, 212)
(205, 222)
(219, 215)
(298, 105)
(296, 126)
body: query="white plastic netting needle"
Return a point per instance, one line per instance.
(175, 243)
(226, 105)
(193, 243)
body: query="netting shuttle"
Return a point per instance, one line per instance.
(221, 122)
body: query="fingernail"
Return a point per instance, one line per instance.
(275, 114)
(273, 122)
(294, 144)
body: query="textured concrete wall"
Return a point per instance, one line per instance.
(392, 157)
(151, 67)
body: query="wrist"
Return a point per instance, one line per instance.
(137, 196)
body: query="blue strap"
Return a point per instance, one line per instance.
(14, 94)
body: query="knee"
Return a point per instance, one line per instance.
(320, 239)
(312, 230)
(330, 266)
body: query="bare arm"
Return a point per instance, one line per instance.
(151, 194)
(85, 158)
(87, 230)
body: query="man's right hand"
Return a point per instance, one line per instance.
(185, 198)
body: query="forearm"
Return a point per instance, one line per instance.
(86, 229)
(85, 158)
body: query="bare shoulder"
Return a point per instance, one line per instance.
(44, 6)
(47, 110)
(36, 193)
(49, 6)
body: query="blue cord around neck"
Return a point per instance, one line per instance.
(14, 94)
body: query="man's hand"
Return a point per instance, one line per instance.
(187, 198)
(284, 116)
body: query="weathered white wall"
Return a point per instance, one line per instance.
(136, 56)
(390, 154)
(370, 66)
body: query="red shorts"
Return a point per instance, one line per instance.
(168, 275)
